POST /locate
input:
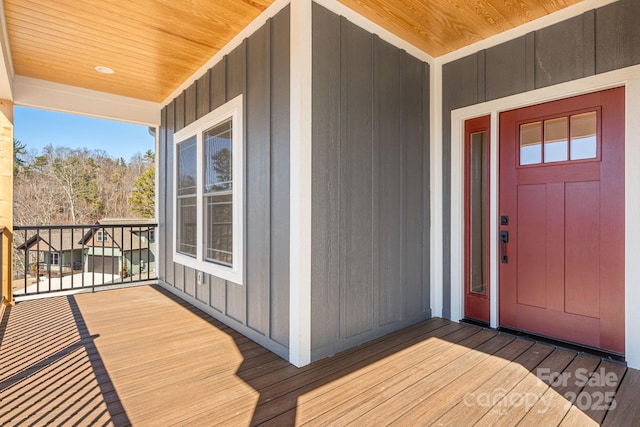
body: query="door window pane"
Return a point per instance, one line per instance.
(555, 140)
(478, 210)
(584, 136)
(531, 143)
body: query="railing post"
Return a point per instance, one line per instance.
(6, 258)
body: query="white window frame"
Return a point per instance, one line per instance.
(101, 236)
(54, 256)
(231, 110)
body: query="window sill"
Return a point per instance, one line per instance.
(226, 273)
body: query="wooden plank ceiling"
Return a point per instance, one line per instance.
(442, 26)
(155, 45)
(152, 45)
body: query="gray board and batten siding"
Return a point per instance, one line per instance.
(370, 189)
(597, 41)
(370, 194)
(259, 69)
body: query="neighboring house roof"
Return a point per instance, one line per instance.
(54, 240)
(58, 240)
(126, 239)
(127, 221)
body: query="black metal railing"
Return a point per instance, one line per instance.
(58, 258)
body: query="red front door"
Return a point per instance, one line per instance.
(562, 219)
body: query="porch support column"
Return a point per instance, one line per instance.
(6, 197)
(300, 191)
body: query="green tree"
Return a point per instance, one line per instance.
(149, 156)
(143, 197)
(19, 150)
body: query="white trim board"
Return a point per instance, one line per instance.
(435, 184)
(300, 187)
(35, 93)
(628, 77)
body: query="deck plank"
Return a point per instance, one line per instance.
(527, 392)
(590, 403)
(324, 396)
(140, 356)
(554, 403)
(456, 391)
(463, 401)
(391, 385)
(626, 408)
(425, 386)
(280, 396)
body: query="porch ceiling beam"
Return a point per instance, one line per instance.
(29, 92)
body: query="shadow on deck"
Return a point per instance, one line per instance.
(155, 360)
(50, 370)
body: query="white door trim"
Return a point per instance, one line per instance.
(627, 77)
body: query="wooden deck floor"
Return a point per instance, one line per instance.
(139, 356)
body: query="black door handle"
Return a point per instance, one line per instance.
(504, 239)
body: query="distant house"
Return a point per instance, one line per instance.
(125, 251)
(56, 252)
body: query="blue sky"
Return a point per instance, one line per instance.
(38, 128)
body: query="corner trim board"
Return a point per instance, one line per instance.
(436, 192)
(300, 187)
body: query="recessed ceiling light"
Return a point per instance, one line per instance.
(104, 70)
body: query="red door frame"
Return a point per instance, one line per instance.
(476, 306)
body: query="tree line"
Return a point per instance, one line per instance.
(61, 185)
